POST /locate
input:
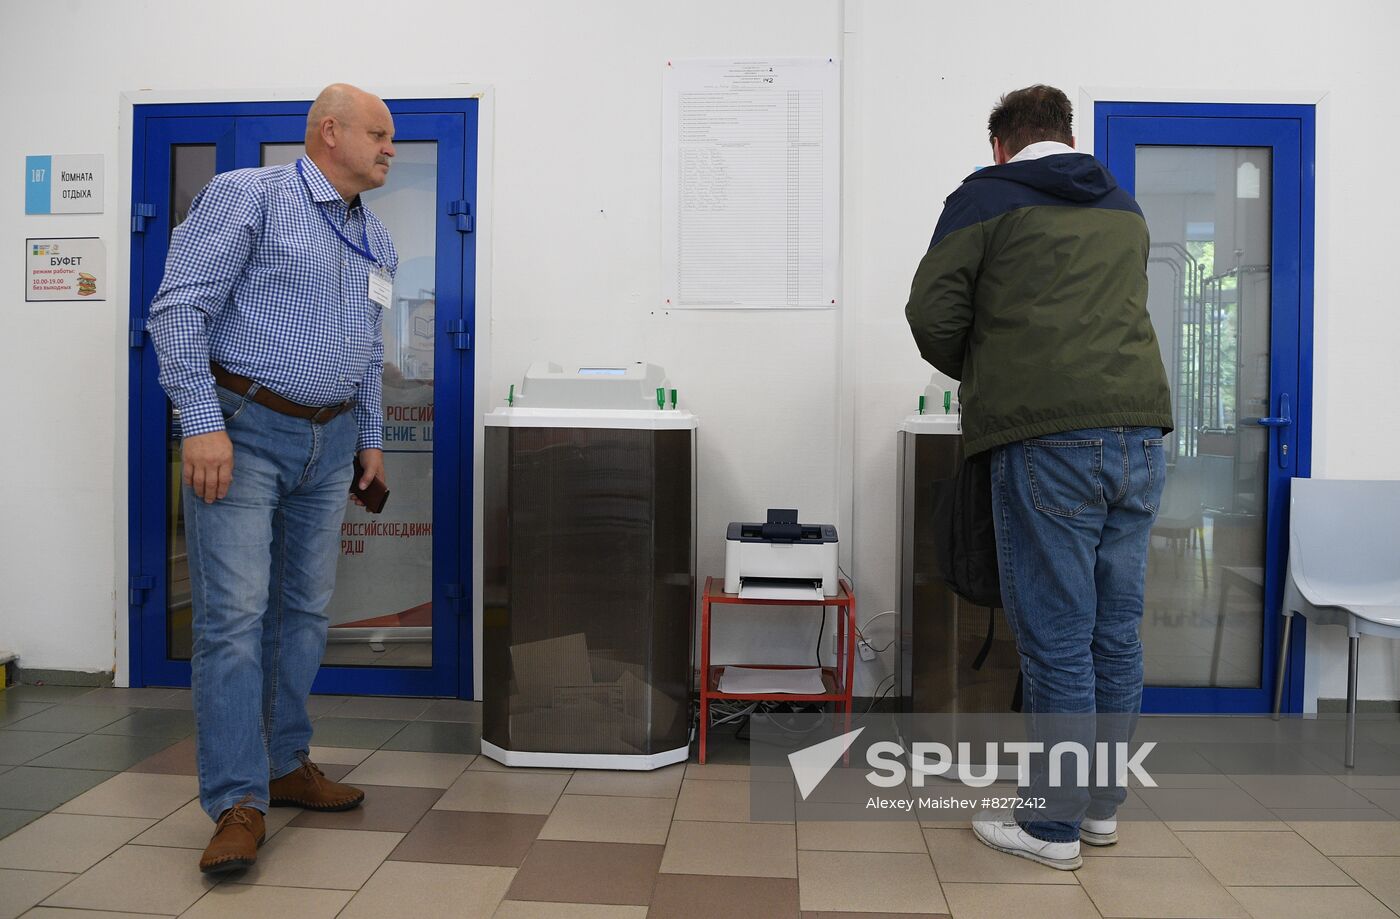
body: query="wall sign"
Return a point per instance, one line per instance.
(63, 184)
(65, 269)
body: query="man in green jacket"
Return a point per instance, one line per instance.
(1033, 294)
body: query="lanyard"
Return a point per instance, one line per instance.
(363, 251)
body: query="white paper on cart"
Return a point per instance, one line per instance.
(773, 589)
(805, 681)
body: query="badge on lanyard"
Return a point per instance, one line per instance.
(381, 286)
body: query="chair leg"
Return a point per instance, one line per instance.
(1201, 541)
(1352, 654)
(1282, 663)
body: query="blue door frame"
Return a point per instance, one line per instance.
(1290, 131)
(237, 132)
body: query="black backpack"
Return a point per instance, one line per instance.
(966, 550)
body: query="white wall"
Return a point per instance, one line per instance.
(575, 229)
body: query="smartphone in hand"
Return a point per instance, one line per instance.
(374, 495)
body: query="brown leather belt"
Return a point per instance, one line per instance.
(264, 396)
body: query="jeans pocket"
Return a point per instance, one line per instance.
(230, 403)
(1064, 474)
(1154, 458)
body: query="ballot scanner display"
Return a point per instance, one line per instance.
(942, 667)
(589, 571)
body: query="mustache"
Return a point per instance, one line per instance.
(383, 161)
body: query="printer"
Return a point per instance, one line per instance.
(782, 552)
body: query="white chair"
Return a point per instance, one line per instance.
(1181, 519)
(1343, 569)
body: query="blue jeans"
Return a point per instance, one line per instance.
(1074, 515)
(262, 568)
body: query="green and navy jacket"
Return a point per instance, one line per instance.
(1033, 294)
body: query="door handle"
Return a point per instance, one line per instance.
(1283, 420)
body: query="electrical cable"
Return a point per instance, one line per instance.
(881, 695)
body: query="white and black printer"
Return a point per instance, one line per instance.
(781, 552)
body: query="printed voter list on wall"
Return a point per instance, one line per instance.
(65, 269)
(750, 183)
(69, 184)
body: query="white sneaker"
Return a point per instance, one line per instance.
(1098, 832)
(1007, 836)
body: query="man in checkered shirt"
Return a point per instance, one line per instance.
(268, 329)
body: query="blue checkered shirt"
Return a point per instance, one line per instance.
(257, 281)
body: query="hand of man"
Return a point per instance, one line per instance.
(372, 462)
(208, 464)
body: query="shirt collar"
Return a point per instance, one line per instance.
(1041, 148)
(322, 191)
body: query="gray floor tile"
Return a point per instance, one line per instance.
(437, 737)
(11, 820)
(383, 708)
(50, 694)
(32, 788)
(362, 733)
(316, 706)
(104, 751)
(177, 699)
(18, 747)
(12, 710)
(77, 719)
(453, 710)
(153, 722)
(141, 697)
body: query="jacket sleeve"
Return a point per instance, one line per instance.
(940, 299)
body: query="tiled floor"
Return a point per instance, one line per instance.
(98, 817)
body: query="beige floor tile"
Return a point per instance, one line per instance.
(860, 835)
(523, 909)
(764, 850)
(190, 828)
(135, 794)
(1370, 781)
(1139, 838)
(1229, 826)
(168, 883)
(425, 891)
(1156, 888)
(339, 756)
(721, 772)
(1263, 860)
(20, 890)
(1275, 791)
(1350, 837)
(485, 763)
(1378, 874)
(420, 770)
(63, 912)
(237, 901)
(1310, 902)
(306, 857)
(505, 792)
(731, 802)
(67, 842)
(868, 882)
(593, 818)
(1386, 798)
(980, 901)
(658, 783)
(1204, 804)
(960, 857)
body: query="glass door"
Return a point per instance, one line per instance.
(399, 615)
(1222, 189)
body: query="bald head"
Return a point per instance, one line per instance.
(349, 136)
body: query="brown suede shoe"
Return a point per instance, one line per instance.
(308, 787)
(237, 835)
